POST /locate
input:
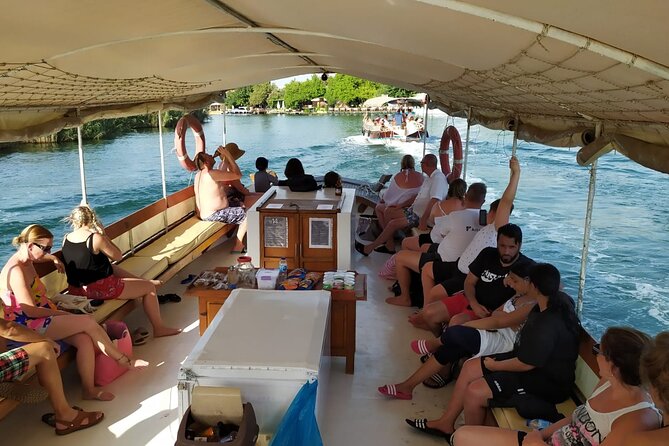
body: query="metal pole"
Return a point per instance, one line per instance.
(515, 136)
(224, 127)
(82, 174)
(586, 231)
(469, 126)
(162, 153)
(427, 100)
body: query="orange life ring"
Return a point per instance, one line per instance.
(188, 121)
(451, 134)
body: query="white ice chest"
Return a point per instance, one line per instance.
(268, 343)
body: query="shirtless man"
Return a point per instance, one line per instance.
(210, 197)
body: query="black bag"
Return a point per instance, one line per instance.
(530, 407)
(415, 290)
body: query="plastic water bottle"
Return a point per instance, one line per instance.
(538, 424)
(283, 271)
(283, 266)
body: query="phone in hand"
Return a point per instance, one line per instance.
(483, 217)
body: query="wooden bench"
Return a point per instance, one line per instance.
(157, 242)
(587, 377)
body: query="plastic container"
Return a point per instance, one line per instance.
(538, 424)
(283, 265)
(267, 278)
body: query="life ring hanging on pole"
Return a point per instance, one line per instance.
(451, 135)
(186, 122)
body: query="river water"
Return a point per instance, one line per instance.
(627, 282)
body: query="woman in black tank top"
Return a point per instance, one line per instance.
(88, 253)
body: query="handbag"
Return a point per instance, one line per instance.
(368, 228)
(72, 303)
(108, 369)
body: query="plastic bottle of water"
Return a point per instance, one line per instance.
(538, 424)
(283, 271)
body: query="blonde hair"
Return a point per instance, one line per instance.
(655, 367)
(32, 233)
(84, 216)
(408, 162)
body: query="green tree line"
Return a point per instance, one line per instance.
(339, 89)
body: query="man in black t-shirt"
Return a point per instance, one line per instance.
(484, 286)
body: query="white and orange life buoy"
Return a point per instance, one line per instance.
(451, 134)
(188, 121)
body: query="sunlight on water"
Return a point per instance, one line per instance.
(627, 279)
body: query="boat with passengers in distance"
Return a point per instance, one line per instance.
(548, 74)
(398, 120)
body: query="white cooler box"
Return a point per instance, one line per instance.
(268, 343)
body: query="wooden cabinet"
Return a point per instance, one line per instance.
(306, 239)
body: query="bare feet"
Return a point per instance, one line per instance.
(165, 331)
(97, 394)
(418, 321)
(132, 364)
(399, 300)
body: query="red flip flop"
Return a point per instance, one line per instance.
(391, 391)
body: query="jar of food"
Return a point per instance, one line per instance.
(246, 271)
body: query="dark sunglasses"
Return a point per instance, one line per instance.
(46, 249)
(596, 349)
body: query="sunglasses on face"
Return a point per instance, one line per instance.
(596, 349)
(45, 249)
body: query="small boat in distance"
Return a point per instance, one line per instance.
(397, 120)
(238, 111)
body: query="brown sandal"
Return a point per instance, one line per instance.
(91, 418)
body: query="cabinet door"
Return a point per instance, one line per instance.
(279, 236)
(319, 241)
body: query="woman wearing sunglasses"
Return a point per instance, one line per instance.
(617, 407)
(25, 302)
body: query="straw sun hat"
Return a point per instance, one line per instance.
(234, 150)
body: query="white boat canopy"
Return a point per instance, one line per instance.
(556, 69)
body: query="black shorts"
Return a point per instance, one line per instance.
(448, 275)
(427, 257)
(424, 238)
(433, 248)
(505, 385)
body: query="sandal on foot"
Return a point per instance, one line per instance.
(424, 358)
(421, 425)
(49, 418)
(419, 346)
(383, 250)
(23, 393)
(91, 418)
(437, 381)
(360, 248)
(391, 391)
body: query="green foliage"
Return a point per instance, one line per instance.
(111, 128)
(275, 96)
(260, 94)
(350, 90)
(239, 97)
(299, 94)
(396, 92)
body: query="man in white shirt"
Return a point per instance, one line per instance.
(434, 189)
(454, 231)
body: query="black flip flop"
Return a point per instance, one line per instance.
(164, 298)
(425, 357)
(383, 250)
(360, 248)
(421, 425)
(437, 381)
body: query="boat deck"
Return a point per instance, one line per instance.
(145, 411)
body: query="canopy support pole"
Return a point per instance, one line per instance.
(82, 174)
(586, 231)
(162, 166)
(469, 126)
(225, 131)
(515, 136)
(427, 100)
